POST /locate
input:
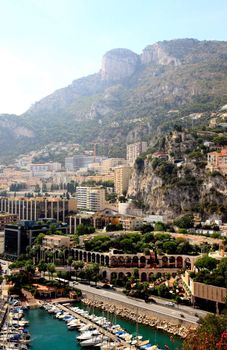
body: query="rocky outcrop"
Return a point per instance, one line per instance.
(118, 64)
(156, 54)
(181, 183)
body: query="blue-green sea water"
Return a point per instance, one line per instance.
(48, 333)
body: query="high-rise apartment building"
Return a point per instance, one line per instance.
(134, 150)
(90, 198)
(121, 179)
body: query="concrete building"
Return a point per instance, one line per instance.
(111, 163)
(131, 223)
(204, 291)
(116, 265)
(22, 235)
(134, 150)
(90, 198)
(56, 241)
(38, 207)
(81, 161)
(39, 168)
(217, 161)
(121, 179)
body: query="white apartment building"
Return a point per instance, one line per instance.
(90, 198)
(134, 150)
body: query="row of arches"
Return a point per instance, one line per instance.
(133, 261)
(143, 276)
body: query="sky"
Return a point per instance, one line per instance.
(46, 44)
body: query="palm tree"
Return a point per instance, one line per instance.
(77, 265)
(42, 266)
(51, 269)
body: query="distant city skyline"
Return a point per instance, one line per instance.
(46, 44)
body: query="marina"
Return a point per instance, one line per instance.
(49, 331)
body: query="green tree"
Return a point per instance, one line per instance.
(206, 262)
(159, 226)
(42, 266)
(39, 238)
(185, 221)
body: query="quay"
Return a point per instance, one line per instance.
(105, 332)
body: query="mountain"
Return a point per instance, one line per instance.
(131, 98)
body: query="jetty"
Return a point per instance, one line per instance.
(105, 332)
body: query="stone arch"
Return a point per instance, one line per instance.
(187, 264)
(85, 256)
(143, 277)
(121, 276)
(107, 260)
(113, 261)
(128, 261)
(93, 257)
(81, 255)
(172, 261)
(89, 257)
(179, 262)
(113, 276)
(104, 274)
(121, 261)
(150, 276)
(164, 261)
(135, 261)
(128, 274)
(142, 260)
(102, 259)
(98, 259)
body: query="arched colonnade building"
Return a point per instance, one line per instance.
(117, 265)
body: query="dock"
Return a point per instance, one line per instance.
(105, 332)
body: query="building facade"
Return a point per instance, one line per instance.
(134, 150)
(38, 207)
(122, 176)
(90, 198)
(217, 161)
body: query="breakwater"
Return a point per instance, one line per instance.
(139, 315)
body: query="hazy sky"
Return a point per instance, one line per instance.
(45, 44)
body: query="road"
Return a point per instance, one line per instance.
(172, 312)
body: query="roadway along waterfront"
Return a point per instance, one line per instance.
(172, 312)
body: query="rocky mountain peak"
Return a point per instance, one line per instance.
(118, 64)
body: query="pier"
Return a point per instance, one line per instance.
(105, 332)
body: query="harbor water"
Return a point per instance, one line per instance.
(48, 333)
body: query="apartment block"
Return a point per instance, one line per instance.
(121, 179)
(90, 198)
(110, 163)
(134, 150)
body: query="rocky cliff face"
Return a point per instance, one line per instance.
(206, 194)
(180, 183)
(119, 64)
(157, 54)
